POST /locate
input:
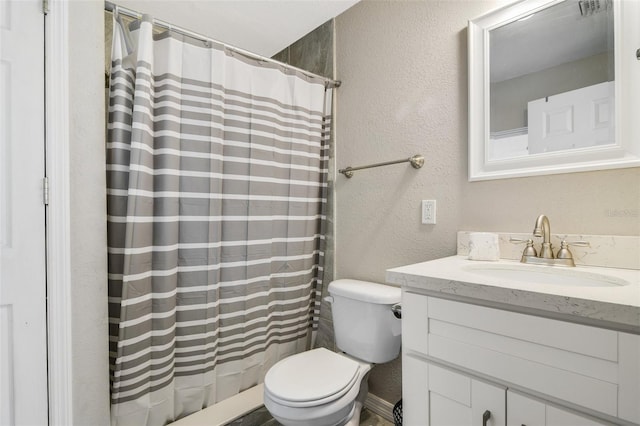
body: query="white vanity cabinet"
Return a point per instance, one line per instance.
(461, 360)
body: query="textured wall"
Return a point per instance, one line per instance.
(404, 70)
(88, 215)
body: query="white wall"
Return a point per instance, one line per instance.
(90, 364)
(403, 65)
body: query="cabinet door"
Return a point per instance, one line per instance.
(525, 411)
(415, 395)
(457, 399)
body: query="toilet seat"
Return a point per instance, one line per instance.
(331, 376)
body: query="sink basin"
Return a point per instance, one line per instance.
(544, 275)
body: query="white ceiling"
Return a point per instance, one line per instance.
(553, 36)
(264, 27)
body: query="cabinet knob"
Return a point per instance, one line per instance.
(485, 417)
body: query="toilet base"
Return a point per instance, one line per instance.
(359, 403)
(354, 419)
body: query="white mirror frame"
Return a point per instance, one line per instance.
(626, 150)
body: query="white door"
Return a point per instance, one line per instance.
(579, 118)
(23, 350)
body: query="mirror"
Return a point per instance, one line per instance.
(545, 89)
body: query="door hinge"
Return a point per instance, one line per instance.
(45, 6)
(45, 191)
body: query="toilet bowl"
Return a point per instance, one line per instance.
(323, 388)
(314, 388)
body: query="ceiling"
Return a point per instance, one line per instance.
(264, 27)
(553, 36)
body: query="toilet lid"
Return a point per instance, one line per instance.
(311, 376)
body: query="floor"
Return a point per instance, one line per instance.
(367, 418)
(261, 417)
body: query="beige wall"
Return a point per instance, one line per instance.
(88, 215)
(404, 70)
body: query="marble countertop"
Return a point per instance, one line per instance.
(614, 307)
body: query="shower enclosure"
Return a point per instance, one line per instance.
(217, 168)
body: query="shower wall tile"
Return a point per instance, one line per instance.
(282, 56)
(313, 52)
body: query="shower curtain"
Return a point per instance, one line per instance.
(217, 181)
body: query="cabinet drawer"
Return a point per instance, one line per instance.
(571, 362)
(523, 410)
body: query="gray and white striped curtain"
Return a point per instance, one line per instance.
(217, 181)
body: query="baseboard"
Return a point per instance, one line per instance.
(379, 406)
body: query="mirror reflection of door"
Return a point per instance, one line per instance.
(551, 86)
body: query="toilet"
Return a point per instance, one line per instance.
(323, 388)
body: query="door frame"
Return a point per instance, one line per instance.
(59, 324)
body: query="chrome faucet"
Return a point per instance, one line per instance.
(542, 229)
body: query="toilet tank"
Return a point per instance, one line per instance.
(363, 322)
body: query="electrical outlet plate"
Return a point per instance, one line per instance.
(429, 212)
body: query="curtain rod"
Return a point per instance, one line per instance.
(112, 7)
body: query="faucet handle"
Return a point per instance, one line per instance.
(564, 252)
(575, 243)
(529, 250)
(520, 240)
